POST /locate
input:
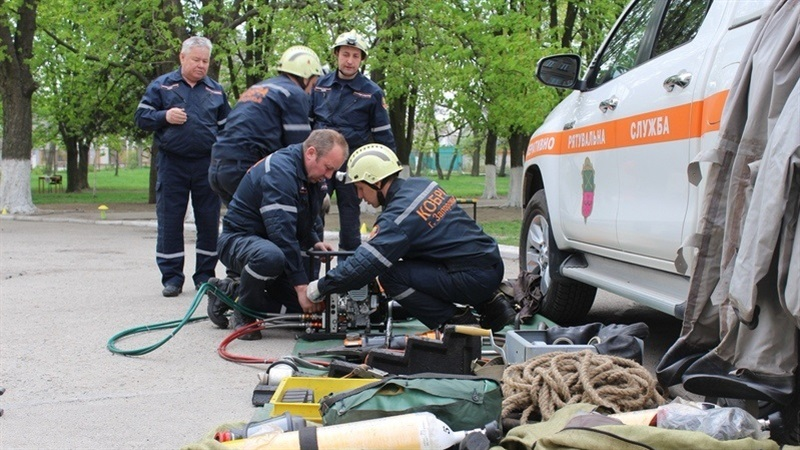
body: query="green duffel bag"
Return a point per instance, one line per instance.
(463, 402)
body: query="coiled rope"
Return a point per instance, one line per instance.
(540, 386)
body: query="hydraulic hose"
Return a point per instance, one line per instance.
(223, 352)
(176, 325)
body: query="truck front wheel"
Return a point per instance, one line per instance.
(564, 301)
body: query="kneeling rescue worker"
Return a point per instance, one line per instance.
(427, 253)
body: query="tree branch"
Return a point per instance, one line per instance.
(140, 76)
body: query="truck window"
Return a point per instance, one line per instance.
(623, 47)
(680, 24)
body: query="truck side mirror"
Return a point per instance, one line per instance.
(560, 71)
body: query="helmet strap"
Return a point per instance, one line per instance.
(379, 192)
(302, 82)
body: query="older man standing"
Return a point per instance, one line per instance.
(185, 110)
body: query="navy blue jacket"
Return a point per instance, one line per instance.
(269, 116)
(276, 201)
(420, 222)
(206, 107)
(356, 108)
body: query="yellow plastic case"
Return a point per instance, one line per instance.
(321, 386)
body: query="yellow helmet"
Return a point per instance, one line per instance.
(372, 163)
(353, 39)
(301, 61)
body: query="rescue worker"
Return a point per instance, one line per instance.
(271, 221)
(427, 253)
(269, 115)
(185, 109)
(347, 101)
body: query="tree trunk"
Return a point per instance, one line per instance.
(476, 161)
(52, 160)
(397, 119)
(503, 163)
(83, 163)
(438, 165)
(452, 163)
(518, 143)
(490, 182)
(17, 86)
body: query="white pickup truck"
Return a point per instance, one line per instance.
(605, 177)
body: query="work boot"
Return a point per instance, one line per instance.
(171, 290)
(216, 307)
(239, 320)
(463, 316)
(496, 313)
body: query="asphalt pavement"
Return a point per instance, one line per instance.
(70, 280)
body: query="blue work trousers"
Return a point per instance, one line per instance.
(263, 285)
(177, 178)
(429, 292)
(349, 206)
(224, 176)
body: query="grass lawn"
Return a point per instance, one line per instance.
(130, 186)
(504, 232)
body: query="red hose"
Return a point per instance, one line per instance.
(258, 325)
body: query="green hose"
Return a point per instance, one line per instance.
(175, 325)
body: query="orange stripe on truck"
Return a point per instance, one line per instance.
(691, 120)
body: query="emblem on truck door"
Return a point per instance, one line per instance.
(587, 177)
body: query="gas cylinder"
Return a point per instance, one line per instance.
(416, 431)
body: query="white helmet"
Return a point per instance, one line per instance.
(301, 61)
(372, 163)
(353, 39)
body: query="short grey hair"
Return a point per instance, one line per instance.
(196, 41)
(323, 140)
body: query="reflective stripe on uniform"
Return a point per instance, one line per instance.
(256, 275)
(280, 89)
(287, 208)
(413, 206)
(170, 255)
(267, 161)
(404, 294)
(377, 254)
(297, 127)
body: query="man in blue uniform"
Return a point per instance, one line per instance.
(427, 253)
(271, 222)
(185, 109)
(270, 115)
(347, 101)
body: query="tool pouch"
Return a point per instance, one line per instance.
(463, 402)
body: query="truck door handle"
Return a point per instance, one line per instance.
(682, 79)
(610, 103)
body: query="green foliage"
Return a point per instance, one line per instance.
(454, 64)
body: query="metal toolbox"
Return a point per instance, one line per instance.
(522, 345)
